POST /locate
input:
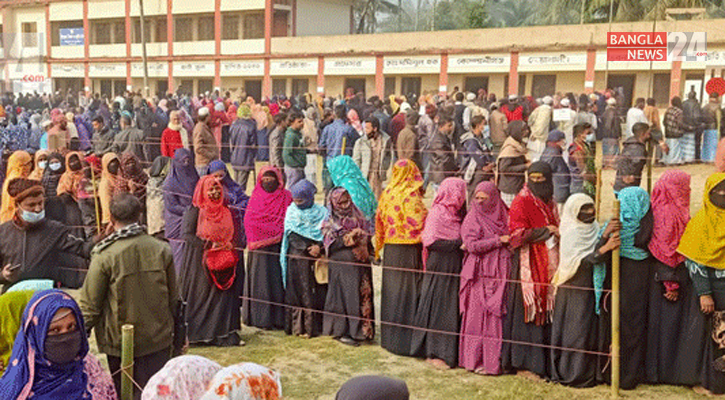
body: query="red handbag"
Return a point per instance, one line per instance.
(220, 261)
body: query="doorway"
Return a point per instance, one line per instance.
(280, 25)
(410, 86)
(543, 85)
(254, 89)
(473, 84)
(357, 85)
(162, 86)
(626, 84)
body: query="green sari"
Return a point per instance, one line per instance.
(12, 306)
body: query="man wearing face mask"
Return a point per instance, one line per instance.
(373, 154)
(131, 280)
(33, 247)
(633, 158)
(581, 161)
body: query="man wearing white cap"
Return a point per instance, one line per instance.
(611, 132)
(472, 109)
(565, 122)
(206, 149)
(539, 122)
(512, 109)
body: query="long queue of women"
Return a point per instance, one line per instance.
(468, 282)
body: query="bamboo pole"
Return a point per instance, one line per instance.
(126, 362)
(95, 200)
(615, 315)
(598, 195)
(651, 152)
(342, 149)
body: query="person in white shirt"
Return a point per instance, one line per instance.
(539, 122)
(567, 125)
(635, 115)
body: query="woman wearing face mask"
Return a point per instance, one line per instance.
(635, 264)
(345, 173)
(301, 245)
(50, 359)
(73, 175)
(110, 167)
(235, 197)
(581, 161)
(512, 163)
(212, 296)
(264, 225)
(672, 354)
(52, 174)
(178, 190)
(19, 165)
(703, 245)
(438, 304)
(485, 267)
(350, 290)
(41, 163)
(575, 311)
(534, 231)
(399, 224)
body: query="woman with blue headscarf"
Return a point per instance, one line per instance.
(301, 245)
(178, 190)
(635, 264)
(50, 356)
(345, 173)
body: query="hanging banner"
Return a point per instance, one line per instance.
(72, 37)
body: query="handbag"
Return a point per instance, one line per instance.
(322, 271)
(221, 260)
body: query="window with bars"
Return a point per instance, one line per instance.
(279, 87)
(108, 32)
(56, 26)
(161, 26)
(137, 30)
(205, 28)
(101, 33)
(182, 29)
(230, 27)
(300, 86)
(254, 26)
(30, 34)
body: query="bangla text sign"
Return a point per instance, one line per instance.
(656, 46)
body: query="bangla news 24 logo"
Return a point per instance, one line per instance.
(656, 46)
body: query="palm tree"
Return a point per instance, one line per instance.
(510, 13)
(366, 12)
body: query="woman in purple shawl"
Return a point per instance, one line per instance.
(483, 281)
(178, 191)
(347, 243)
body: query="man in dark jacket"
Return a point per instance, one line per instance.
(553, 155)
(153, 127)
(477, 162)
(129, 139)
(442, 161)
(131, 280)
(243, 142)
(692, 117)
(53, 253)
(102, 137)
(458, 111)
(276, 141)
(635, 155)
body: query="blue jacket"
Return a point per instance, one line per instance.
(331, 139)
(561, 176)
(243, 141)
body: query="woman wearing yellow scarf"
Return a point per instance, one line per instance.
(703, 243)
(398, 227)
(19, 165)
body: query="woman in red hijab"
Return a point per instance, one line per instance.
(213, 270)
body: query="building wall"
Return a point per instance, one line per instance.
(323, 17)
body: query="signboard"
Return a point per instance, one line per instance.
(293, 67)
(156, 69)
(561, 114)
(479, 63)
(201, 69)
(110, 70)
(412, 65)
(656, 46)
(553, 61)
(72, 37)
(67, 70)
(350, 66)
(242, 68)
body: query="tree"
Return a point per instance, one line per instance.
(367, 12)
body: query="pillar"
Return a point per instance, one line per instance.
(86, 52)
(321, 75)
(675, 77)
(170, 42)
(379, 76)
(514, 74)
(443, 77)
(129, 26)
(589, 75)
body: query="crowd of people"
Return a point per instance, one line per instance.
(506, 269)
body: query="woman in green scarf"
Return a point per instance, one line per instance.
(12, 305)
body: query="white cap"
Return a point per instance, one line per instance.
(45, 124)
(404, 107)
(564, 102)
(547, 100)
(513, 97)
(203, 112)
(471, 96)
(611, 101)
